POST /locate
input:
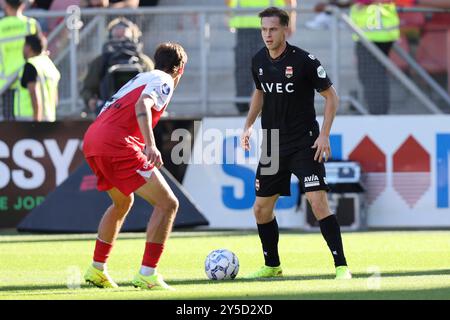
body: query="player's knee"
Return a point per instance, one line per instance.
(261, 213)
(124, 205)
(319, 208)
(175, 204)
(171, 205)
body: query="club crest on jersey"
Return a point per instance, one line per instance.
(289, 72)
(260, 71)
(165, 89)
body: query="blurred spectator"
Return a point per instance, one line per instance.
(40, 77)
(148, 3)
(119, 4)
(94, 3)
(41, 4)
(14, 26)
(323, 19)
(249, 41)
(379, 21)
(121, 59)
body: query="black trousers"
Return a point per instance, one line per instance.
(374, 78)
(249, 42)
(7, 105)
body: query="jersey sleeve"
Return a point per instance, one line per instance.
(255, 76)
(317, 74)
(29, 75)
(160, 90)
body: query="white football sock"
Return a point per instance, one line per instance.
(147, 271)
(99, 265)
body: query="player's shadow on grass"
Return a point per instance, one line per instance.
(61, 289)
(374, 294)
(123, 285)
(319, 277)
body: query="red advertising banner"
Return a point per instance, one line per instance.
(34, 159)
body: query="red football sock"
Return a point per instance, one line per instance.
(153, 252)
(102, 250)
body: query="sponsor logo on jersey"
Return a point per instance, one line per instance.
(277, 87)
(165, 89)
(321, 72)
(312, 181)
(260, 71)
(311, 56)
(289, 72)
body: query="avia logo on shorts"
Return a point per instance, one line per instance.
(312, 181)
(257, 184)
(277, 87)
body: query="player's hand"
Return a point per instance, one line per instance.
(245, 138)
(154, 156)
(323, 151)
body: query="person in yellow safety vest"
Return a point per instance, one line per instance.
(38, 93)
(13, 29)
(249, 41)
(380, 24)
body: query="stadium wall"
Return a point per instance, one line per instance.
(404, 159)
(35, 158)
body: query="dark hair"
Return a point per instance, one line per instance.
(169, 57)
(36, 42)
(275, 12)
(14, 3)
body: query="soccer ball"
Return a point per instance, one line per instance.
(221, 264)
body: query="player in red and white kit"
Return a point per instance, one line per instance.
(120, 148)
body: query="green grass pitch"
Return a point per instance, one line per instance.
(385, 265)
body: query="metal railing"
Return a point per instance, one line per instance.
(204, 31)
(393, 69)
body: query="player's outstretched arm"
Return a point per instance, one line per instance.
(322, 143)
(256, 105)
(144, 118)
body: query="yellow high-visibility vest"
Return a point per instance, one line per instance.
(378, 21)
(13, 30)
(47, 77)
(251, 21)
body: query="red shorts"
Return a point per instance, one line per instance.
(124, 173)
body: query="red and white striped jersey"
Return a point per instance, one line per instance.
(116, 131)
